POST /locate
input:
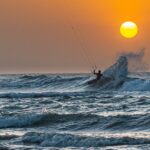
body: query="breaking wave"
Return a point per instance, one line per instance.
(117, 77)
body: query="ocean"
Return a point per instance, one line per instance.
(62, 111)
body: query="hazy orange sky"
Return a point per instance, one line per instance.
(37, 35)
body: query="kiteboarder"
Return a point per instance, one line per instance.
(98, 74)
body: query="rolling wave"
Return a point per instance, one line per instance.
(78, 121)
(71, 140)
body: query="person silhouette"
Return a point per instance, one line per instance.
(98, 74)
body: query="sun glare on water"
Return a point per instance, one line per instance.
(128, 29)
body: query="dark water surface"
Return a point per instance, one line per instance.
(63, 112)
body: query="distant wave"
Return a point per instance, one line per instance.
(42, 81)
(38, 94)
(28, 95)
(70, 140)
(33, 77)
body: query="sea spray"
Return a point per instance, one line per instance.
(119, 70)
(136, 61)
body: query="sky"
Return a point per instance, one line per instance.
(60, 36)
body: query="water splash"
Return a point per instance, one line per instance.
(119, 70)
(136, 61)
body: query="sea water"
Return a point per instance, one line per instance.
(61, 111)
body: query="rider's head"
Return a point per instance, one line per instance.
(99, 71)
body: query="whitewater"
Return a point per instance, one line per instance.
(62, 111)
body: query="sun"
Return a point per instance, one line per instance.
(128, 29)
